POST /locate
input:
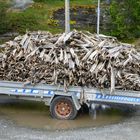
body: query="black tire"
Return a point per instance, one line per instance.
(63, 108)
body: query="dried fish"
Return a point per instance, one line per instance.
(77, 58)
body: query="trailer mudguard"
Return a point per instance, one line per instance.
(73, 96)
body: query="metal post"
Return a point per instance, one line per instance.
(67, 16)
(98, 18)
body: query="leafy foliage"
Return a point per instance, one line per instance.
(3, 17)
(125, 16)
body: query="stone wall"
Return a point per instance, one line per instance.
(84, 17)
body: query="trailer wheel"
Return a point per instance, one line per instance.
(63, 108)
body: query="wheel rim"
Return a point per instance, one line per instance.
(63, 109)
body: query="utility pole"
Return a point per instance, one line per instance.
(98, 18)
(67, 16)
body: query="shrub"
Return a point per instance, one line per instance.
(125, 16)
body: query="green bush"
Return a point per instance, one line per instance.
(125, 16)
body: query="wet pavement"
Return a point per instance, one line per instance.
(37, 115)
(31, 121)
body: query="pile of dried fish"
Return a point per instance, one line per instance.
(77, 58)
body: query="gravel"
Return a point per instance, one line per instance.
(128, 130)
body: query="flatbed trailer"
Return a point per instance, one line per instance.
(66, 104)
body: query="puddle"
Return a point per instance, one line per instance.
(36, 115)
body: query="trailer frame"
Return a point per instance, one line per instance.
(77, 95)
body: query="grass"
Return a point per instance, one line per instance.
(61, 2)
(36, 17)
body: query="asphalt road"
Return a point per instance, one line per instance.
(127, 130)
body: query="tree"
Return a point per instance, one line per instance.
(125, 17)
